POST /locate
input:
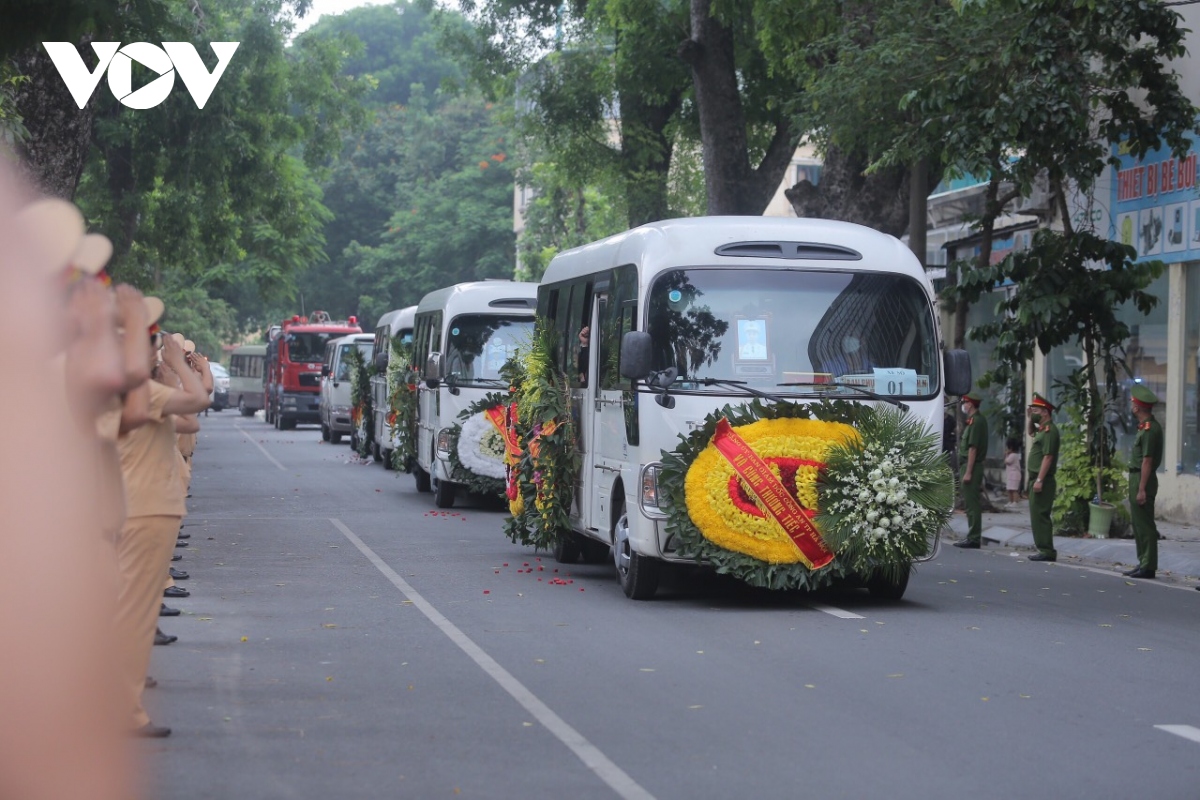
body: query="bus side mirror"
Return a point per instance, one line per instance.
(636, 355)
(433, 370)
(958, 372)
(381, 362)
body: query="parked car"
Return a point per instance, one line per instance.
(220, 393)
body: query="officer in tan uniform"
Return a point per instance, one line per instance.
(155, 504)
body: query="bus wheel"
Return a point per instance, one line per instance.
(286, 423)
(335, 437)
(376, 453)
(637, 574)
(567, 547)
(386, 455)
(422, 479)
(883, 588)
(245, 412)
(443, 494)
(324, 433)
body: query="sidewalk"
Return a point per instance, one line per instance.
(1178, 550)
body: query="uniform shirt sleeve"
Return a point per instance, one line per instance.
(159, 395)
(1051, 443)
(1154, 445)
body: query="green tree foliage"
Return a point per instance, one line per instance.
(400, 47)
(1069, 288)
(1013, 91)
(399, 57)
(224, 198)
(451, 185)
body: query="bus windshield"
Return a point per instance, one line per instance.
(478, 345)
(869, 330)
(309, 346)
(344, 366)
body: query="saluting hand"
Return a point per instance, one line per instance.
(172, 354)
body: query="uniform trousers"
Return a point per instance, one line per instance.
(1145, 530)
(144, 546)
(972, 492)
(1040, 505)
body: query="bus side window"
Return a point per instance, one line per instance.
(577, 320)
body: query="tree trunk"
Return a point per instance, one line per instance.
(646, 154)
(918, 205)
(60, 133)
(878, 200)
(732, 186)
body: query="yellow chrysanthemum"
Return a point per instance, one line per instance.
(725, 512)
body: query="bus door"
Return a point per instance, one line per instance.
(607, 404)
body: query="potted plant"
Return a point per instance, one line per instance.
(1081, 505)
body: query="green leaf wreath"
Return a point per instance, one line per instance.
(891, 445)
(479, 484)
(402, 399)
(549, 466)
(361, 402)
(884, 496)
(691, 543)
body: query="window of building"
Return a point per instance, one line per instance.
(1146, 356)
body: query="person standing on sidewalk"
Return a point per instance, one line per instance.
(973, 450)
(1042, 465)
(1143, 481)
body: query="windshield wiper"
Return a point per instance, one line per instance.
(745, 387)
(853, 388)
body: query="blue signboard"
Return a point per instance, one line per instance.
(1156, 206)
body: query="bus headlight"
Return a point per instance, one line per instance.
(649, 496)
(443, 444)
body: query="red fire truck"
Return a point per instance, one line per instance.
(292, 373)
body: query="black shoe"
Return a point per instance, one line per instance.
(180, 543)
(176, 591)
(178, 574)
(177, 557)
(1042, 557)
(182, 535)
(1129, 572)
(151, 731)
(151, 683)
(164, 638)
(1144, 574)
(166, 611)
(967, 544)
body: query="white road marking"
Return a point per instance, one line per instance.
(617, 779)
(1186, 731)
(837, 612)
(270, 457)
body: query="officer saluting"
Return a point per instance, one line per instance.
(1042, 465)
(1143, 481)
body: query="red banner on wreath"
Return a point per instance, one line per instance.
(498, 416)
(775, 500)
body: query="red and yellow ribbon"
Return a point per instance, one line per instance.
(773, 498)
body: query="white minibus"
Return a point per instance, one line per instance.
(392, 327)
(464, 334)
(334, 403)
(246, 378)
(716, 311)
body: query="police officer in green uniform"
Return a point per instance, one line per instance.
(1042, 465)
(972, 450)
(1143, 481)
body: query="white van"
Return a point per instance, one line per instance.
(464, 335)
(784, 300)
(393, 326)
(334, 403)
(246, 378)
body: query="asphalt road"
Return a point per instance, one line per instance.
(344, 641)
